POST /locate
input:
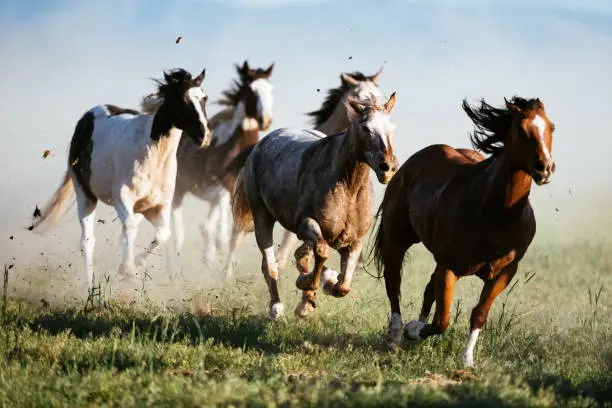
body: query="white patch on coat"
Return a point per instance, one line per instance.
(196, 95)
(540, 124)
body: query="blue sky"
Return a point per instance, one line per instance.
(59, 58)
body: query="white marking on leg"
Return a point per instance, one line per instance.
(234, 243)
(540, 124)
(276, 311)
(413, 330)
(210, 252)
(468, 353)
(395, 330)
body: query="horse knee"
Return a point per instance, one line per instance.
(478, 318)
(322, 249)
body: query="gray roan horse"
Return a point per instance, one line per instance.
(320, 189)
(331, 118)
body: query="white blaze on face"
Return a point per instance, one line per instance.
(380, 125)
(540, 124)
(263, 89)
(195, 95)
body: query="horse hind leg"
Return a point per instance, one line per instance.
(235, 240)
(86, 208)
(264, 226)
(491, 289)
(443, 287)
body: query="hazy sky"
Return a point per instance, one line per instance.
(59, 58)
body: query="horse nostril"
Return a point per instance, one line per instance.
(539, 165)
(554, 167)
(383, 166)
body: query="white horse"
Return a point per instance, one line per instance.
(331, 118)
(128, 159)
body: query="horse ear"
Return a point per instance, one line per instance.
(355, 105)
(268, 71)
(197, 81)
(512, 107)
(169, 79)
(390, 103)
(540, 103)
(349, 80)
(374, 78)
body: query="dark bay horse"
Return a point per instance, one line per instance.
(319, 188)
(473, 214)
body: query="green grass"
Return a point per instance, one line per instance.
(547, 343)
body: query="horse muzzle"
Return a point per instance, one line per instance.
(265, 122)
(542, 172)
(206, 139)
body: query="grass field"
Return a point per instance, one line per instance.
(548, 341)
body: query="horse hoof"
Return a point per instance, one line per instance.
(304, 309)
(395, 331)
(276, 311)
(304, 282)
(329, 279)
(467, 360)
(128, 271)
(413, 329)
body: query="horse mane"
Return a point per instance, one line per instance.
(178, 77)
(334, 96)
(493, 124)
(232, 96)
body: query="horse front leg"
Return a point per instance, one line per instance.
(235, 241)
(310, 233)
(177, 221)
(160, 219)
(349, 258)
(490, 290)
(302, 261)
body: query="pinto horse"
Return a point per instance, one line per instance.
(128, 159)
(331, 118)
(249, 110)
(319, 188)
(473, 214)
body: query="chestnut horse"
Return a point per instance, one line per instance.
(319, 188)
(473, 214)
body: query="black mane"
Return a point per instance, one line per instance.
(334, 96)
(175, 79)
(493, 124)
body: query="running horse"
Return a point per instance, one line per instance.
(472, 213)
(127, 159)
(249, 109)
(331, 118)
(319, 188)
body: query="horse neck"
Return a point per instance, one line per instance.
(337, 122)
(350, 169)
(163, 131)
(507, 185)
(231, 126)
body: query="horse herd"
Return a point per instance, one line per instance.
(471, 212)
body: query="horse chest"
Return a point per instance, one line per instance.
(344, 221)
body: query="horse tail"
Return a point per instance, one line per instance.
(56, 207)
(376, 251)
(243, 216)
(237, 163)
